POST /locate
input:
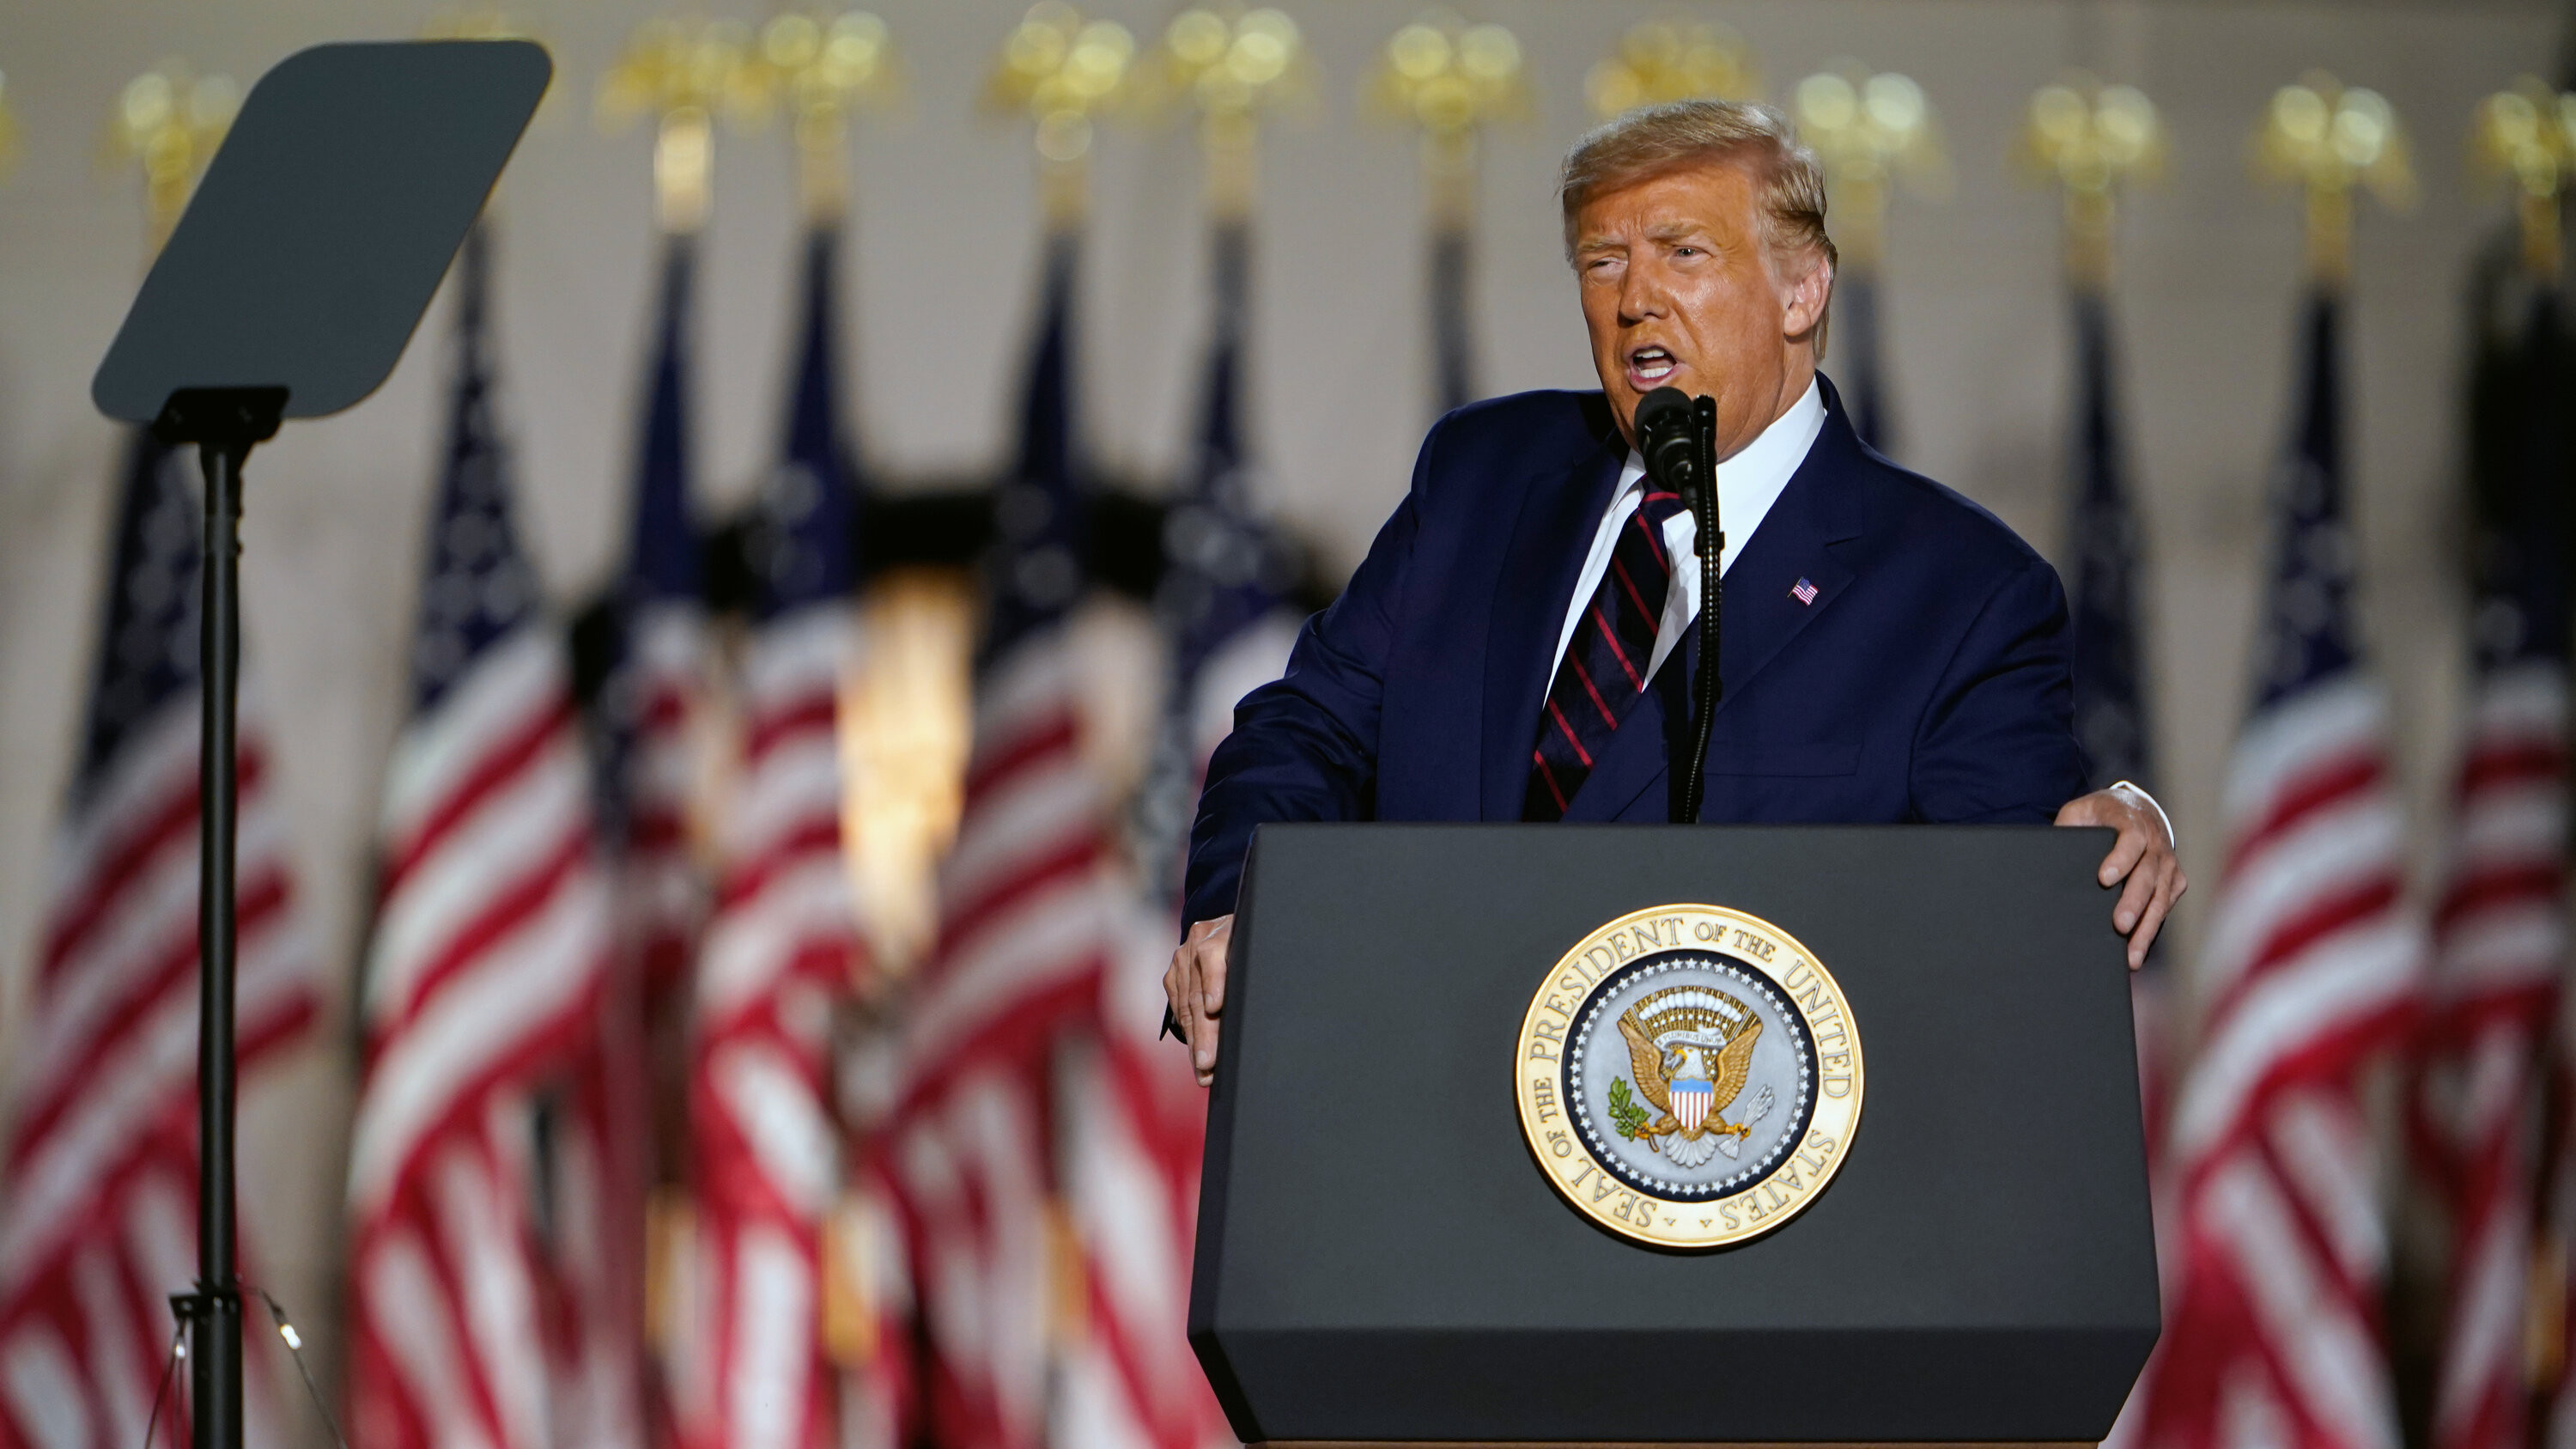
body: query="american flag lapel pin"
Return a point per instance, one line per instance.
(1804, 593)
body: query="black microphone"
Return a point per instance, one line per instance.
(1677, 434)
(1667, 438)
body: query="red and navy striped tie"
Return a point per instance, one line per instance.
(1605, 665)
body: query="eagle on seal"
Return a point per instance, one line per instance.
(1695, 1044)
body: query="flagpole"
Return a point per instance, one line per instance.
(2523, 138)
(1671, 60)
(2091, 141)
(1449, 81)
(1872, 130)
(2329, 139)
(1061, 71)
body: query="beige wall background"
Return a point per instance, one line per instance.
(940, 281)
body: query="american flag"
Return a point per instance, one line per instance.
(1453, 340)
(2500, 931)
(782, 948)
(1862, 370)
(2273, 1334)
(1222, 598)
(651, 694)
(1026, 932)
(604, 1159)
(98, 1221)
(2111, 720)
(483, 974)
(1134, 1115)
(2110, 684)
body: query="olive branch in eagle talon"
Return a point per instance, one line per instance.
(1624, 1111)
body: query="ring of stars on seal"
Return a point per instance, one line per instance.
(1580, 1049)
(1688, 1076)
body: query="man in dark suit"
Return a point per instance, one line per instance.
(1516, 644)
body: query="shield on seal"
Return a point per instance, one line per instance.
(1691, 1101)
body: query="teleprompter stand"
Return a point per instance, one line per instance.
(1381, 1259)
(288, 290)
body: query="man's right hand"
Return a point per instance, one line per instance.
(1195, 986)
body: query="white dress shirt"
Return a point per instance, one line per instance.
(1747, 485)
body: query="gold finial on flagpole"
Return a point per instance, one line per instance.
(2327, 139)
(1233, 66)
(821, 67)
(1870, 130)
(1061, 70)
(1451, 80)
(2526, 135)
(683, 73)
(2090, 140)
(482, 22)
(1673, 60)
(171, 120)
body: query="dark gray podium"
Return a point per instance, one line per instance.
(1382, 1259)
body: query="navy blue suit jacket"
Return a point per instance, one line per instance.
(1928, 681)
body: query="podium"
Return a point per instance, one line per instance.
(1388, 1253)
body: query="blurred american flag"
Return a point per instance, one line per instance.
(1026, 932)
(483, 973)
(782, 948)
(98, 1221)
(2274, 1331)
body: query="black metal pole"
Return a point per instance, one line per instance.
(1709, 684)
(215, 1357)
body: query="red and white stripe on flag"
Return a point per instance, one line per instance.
(2499, 947)
(782, 947)
(969, 1165)
(99, 1222)
(2273, 1333)
(661, 889)
(1132, 1119)
(483, 977)
(1026, 932)
(604, 1160)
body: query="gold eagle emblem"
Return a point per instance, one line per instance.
(1695, 1043)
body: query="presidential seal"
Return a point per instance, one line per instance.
(1689, 1076)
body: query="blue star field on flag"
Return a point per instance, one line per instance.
(147, 656)
(663, 559)
(2521, 467)
(479, 586)
(1860, 358)
(662, 562)
(804, 542)
(1223, 570)
(1453, 343)
(2110, 686)
(1035, 572)
(2307, 634)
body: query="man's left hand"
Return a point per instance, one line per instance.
(2143, 855)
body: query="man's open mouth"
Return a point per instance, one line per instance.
(1650, 366)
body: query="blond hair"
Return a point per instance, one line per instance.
(1654, 141)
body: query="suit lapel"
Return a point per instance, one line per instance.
(1796, 543)
(1540, 563)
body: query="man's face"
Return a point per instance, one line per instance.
(1679, 290)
